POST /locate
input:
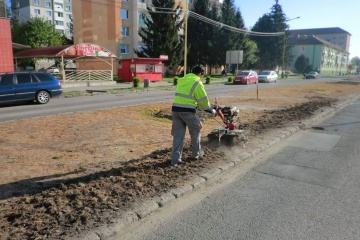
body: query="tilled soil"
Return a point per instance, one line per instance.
(62, 207)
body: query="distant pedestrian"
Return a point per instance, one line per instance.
(189, 94)
(223, 73)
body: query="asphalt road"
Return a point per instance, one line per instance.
(101, 101)
(306, 187)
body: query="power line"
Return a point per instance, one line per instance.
(234, 29)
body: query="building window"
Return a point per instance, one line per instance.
(37, 11)
(68, 24)
(68, 16)
(68, 33)
(59, 14)
(37, 2)
(47, 4)
(141, 1)
(141, 46)
(125, 31)
(68, 1)
(59, 23)
(48, 13)
(124, 49)
(124, 14)
(142, 18)
(67, 8)
(58, 6)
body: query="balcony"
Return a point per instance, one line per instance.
(141, 5)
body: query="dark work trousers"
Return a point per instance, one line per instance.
(181, 120)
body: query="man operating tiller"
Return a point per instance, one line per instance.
(189, 94)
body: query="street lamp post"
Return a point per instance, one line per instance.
(185, 43)
(284, 48)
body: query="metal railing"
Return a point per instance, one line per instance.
(88, 75)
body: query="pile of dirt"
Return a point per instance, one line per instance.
(62, 208)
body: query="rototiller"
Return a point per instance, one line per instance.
(232, 131)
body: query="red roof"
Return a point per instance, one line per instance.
(67, 51)
(40, 52)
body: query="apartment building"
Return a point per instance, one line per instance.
(334, 35)
(112, 24)
(58, 12)
(327, 49)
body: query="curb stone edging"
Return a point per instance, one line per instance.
(151, 206)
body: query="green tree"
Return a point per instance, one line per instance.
(199, 34)
(301, 64)
(160, 35)
(271, 48)
(231, 40)
(227, 39)
(215, 54)
(37, 32)
(250, 54)
(243, 42)
(355, 61)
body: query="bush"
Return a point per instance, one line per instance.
(208, 80)
(175, 80)
(136, 82)
(230, 79)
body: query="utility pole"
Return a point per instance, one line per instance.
(284, 49)
(186, 26)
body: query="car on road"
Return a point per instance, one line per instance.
(312, 74)
(267, 76)
(29, 86)
(53, 70)
(246, 77)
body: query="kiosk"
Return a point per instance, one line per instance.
(143, 68)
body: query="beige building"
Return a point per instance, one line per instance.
(112, 24)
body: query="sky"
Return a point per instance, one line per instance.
(344, 14)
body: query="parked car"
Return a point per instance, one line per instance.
(53, 70)
(312, 74)
(267, 76)
(29, 86)
(246, 77)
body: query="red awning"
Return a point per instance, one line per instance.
(68, 51)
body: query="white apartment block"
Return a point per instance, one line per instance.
(58, 12)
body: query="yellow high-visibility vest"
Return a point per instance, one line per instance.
(190, 92)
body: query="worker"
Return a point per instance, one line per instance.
(189, 94)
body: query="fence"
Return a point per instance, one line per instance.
(87, 75)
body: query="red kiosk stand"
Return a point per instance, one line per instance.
(143, 68)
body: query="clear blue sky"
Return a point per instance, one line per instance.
(344, 14)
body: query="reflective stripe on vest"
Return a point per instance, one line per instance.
(191, 94)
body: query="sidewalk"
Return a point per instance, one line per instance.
(104, 85)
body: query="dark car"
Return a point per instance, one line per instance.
(312, 74)
(246, 77)
(29, 86)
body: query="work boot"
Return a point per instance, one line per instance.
(173, 163)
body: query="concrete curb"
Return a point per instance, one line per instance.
(153, 205)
